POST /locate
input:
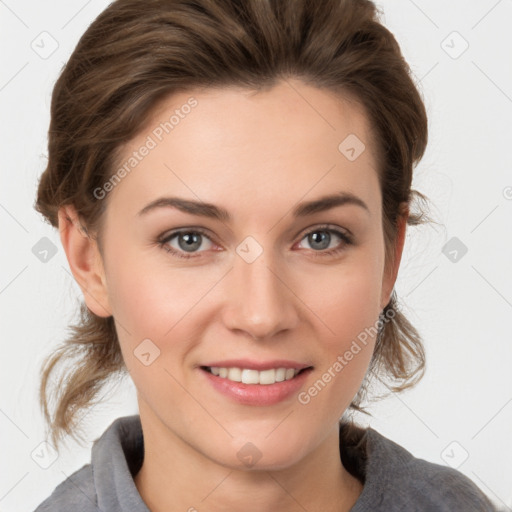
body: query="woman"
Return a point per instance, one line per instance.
(232, 186)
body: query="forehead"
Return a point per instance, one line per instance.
(274, 146)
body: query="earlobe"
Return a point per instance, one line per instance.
(84, 261)
(391, 271)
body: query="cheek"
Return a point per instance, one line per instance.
(352, 316)
(161, 304)
(150, 298)
(346, 300)
(347, 303)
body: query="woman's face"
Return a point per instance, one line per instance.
(247, 288)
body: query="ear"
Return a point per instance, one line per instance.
(391, 270)
(84, 261)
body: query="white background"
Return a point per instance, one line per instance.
(462, 309)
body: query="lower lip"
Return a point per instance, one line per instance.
(257, 394)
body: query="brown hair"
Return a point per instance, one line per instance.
(137, 52)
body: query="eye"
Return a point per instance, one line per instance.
(320, 238)
(188, 241)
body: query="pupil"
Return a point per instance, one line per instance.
(193, 240)
(323, 239)
(190, 239)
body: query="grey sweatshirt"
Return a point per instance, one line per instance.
(394, 480)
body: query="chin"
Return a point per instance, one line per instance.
(260, 454)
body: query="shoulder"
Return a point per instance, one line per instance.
(106, 483)
(396, 480)
(416, 484)
(440, 488)
(75, 493)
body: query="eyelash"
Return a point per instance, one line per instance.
(346, 240)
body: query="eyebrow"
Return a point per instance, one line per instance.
(215, 212)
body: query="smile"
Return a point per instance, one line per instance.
(251, 376)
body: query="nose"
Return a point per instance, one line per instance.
(261, 302)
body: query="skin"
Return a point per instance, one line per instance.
(257, 155)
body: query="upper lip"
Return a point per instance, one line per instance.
(257, 365)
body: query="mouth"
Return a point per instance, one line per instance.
(252, 376)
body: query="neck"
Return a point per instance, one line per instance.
(175, 477)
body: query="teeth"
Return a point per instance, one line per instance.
(268, 376)
(235, 374)
(247, 376)
(280, 374)
(250, 376)
(290, 373)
